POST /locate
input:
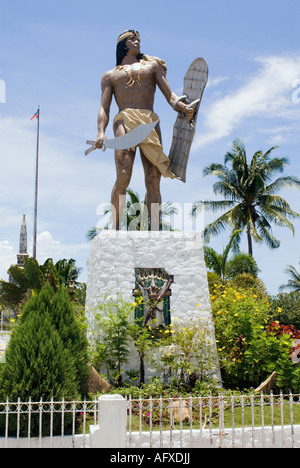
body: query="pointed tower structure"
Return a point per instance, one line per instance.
(23, 244)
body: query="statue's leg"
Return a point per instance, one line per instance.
(152, 182)
(124, 160)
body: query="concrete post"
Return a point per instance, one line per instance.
(111, 431)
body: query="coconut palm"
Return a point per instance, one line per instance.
(250, 195)
(68, 272)
(227, 268)
(293, 283)
(136, 218)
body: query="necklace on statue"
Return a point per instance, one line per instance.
(128, 70)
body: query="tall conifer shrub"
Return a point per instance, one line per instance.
(47, 353)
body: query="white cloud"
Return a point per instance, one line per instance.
(47, 247)
(66, 177)
(268, 93)
(216, 81)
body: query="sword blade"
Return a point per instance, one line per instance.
(129, 140)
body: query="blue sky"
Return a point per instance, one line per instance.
(53, 54)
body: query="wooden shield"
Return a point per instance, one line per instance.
(184, 130)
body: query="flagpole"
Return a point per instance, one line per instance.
(36, 183)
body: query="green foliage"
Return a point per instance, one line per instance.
(248, 350)
(25, 283)
(182, 354)
(144, 338)
(213, 281)
(47, 354)
(29, 280)
(286, 308)
(112, 336)
(218, 263)
(240, 264)
(45, 357)
(247, 282)
(186, 356)
(293, 283)
(72, 333)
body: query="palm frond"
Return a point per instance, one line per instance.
(252, 194)
(283, 183)
(233, 244)
(213, 260)
(33, 273)
(216, 226)
(211, 204)
(266, 235)
(294, 281)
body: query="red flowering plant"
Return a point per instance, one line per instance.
(278, 330)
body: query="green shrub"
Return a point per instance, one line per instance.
(45, 357)
(112, 337)
(248, 351)
(286, 308)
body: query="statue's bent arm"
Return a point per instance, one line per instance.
(171, 97)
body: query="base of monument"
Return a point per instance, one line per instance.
(115, 257)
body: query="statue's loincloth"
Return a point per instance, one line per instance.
(151, 146)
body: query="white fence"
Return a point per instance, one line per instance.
(250, 421)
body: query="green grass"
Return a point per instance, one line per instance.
(239, 418)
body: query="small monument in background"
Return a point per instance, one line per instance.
(23, 244)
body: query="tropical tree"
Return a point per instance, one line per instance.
(228, 268)
(293, 283)
(250, 195)
(24, 283)
(137, 217)
(241, 264)
(28, 281)
(68, 274)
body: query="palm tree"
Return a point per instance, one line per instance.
(293, 283)
(250, 195)
(28, 281)
(23, 283)
(68, 272)
(229, 268)
(136, 218)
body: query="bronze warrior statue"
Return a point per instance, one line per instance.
(133, 83)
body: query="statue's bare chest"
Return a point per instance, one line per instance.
(132, 75)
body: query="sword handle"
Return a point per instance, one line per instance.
(89, 150)
(181, 98)
(93, 147)
(194, 103)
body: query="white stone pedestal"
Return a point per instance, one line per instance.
(114, 256)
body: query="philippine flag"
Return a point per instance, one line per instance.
(35, 115)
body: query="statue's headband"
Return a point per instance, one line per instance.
(126, 34)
